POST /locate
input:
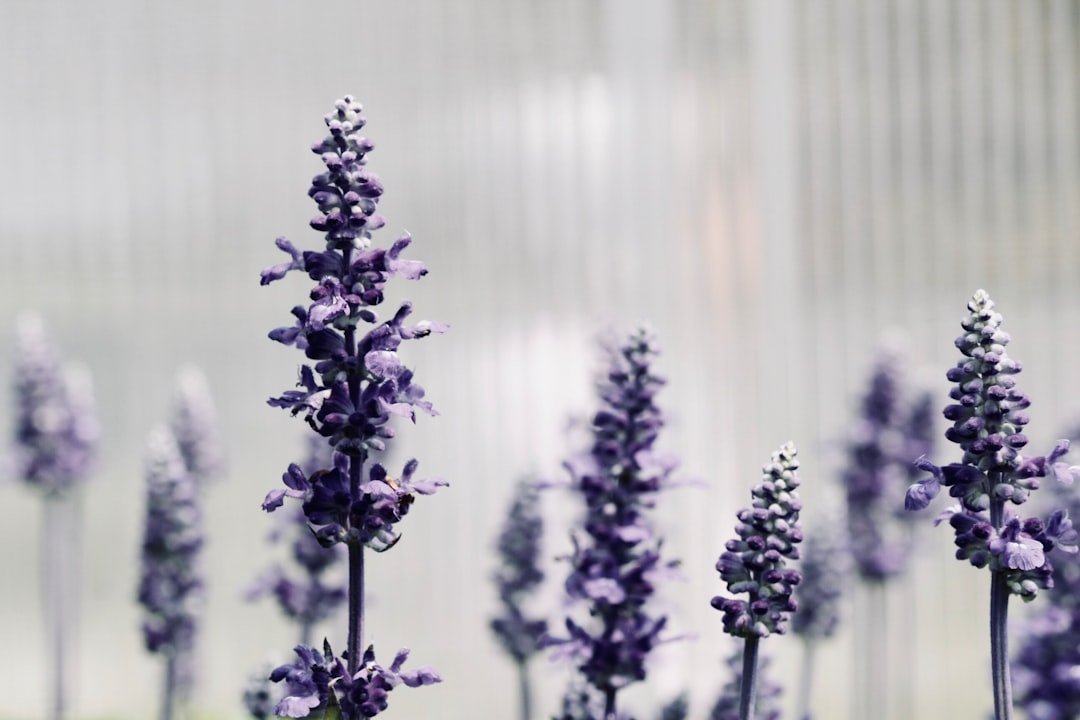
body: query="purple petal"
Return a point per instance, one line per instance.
(296, 707)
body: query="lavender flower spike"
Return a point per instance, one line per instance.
(988, 416)
(356, 389)
(518, 577)
(170, 588)
(56, 430)
(755, 563)
(56, 437)
(616, 563)
(193, 421)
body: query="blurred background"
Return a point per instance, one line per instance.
(777, 187)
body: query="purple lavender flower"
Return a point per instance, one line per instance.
(883, 445)
(616, 561)
(170, 587)
(193, 422)
(516, 579)
(519, 574)
(357, 384)
(56, 430)
(755, 563)
(56, 437)
(359, 694)
(988, 416)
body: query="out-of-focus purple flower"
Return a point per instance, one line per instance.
(887, 438)
(313, 594)
(259, 700)
(1046, 667)
(519, 575)
(677, 709)
(826, 567)
(768, 692)
(318, 680)
(56, 428)
(170, 587)
(755, 562)
(988, 416)
(616, 562)
(193, 422)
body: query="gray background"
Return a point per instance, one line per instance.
(776, 186)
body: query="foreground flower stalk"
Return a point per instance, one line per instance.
(755, 563)
(616, 561)
(56, 436)
(349, 396)
(988, 416)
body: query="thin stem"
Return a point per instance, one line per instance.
(878, 648)
(806, 679)
(356, 605)
(168, 696)
(57, 546)
(999, 645)
(609, 703)
(525, 689)
(748, 688)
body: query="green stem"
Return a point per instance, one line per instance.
(748, 687)
(609, 703)
(999, 621)
(168, 696)
(525, 690)
(999, 645)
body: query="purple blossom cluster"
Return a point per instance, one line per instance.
(193, 422)
(56, 427)
(350, 392)
(362, 693)
(170, 589)
(616, 561)
(755, 562)
(357, 383)
(886, 438)
(988, 415)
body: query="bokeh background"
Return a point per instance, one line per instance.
(779, 188)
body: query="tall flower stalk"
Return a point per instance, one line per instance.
(171, 586)
(356, 385)
(616, 561)
(988, 415)
(517, 578)
(56, 437)
(755, 563)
